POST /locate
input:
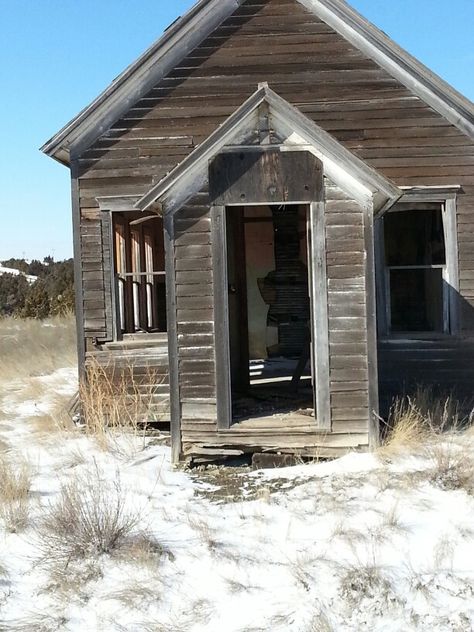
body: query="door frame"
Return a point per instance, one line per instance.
(318, 291)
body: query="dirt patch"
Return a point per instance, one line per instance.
(224, 484)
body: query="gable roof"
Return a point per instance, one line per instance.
(198, 23)
(296, 131)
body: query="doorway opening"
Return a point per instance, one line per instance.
(269, 310)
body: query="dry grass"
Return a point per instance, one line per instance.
(117, 406)
(319, 623)
(35, 622)
(413, 421)
(57, 419)
(207, 534)
(407, 428)
(434, 428)
(451, 464)
(73, 579)
(365, 581)
(89, 519)
(136, 594)
(15, 494)
(29, 348)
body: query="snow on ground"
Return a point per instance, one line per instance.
(29, 277)
(354, 544)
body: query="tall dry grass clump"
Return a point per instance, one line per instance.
(116, 403)
(29, 348)
(421, 418)
(15, 485)
(406, 427)
(434, 428)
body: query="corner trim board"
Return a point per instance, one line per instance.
(77, 248)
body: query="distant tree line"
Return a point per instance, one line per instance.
(51, 294)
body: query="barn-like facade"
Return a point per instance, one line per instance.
(273, 215)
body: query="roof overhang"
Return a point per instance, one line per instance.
(140, 77)
(193, 28)
(297, 133)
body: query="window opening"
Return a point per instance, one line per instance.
(415, 264)
(139, 273)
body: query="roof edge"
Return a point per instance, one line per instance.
(368, 38)
(140, 76)
(197, 24)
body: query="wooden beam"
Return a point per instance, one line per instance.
(452, 264)
(264, 177)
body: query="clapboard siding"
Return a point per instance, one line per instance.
(195, 313)
(445, 365)
(143, 374)
(302, 59)
(347, 308)
(95, 303)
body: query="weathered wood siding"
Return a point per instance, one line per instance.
(96, 274)
(195, 315)
(347, 311)
(328, 79)
(140, 372)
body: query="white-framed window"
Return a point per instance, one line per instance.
(417, 265)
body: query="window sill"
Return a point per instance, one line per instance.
(410, 336)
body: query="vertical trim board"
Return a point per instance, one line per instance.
(175, 405)
(319, 312)
(372, 361)
(221, 318)
(79, 294)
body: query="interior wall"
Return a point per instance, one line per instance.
(260, 260)
(261, 228)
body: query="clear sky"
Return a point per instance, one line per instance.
(57, 55)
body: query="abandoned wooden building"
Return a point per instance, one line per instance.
(273, 210)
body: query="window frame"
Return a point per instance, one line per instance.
(130, 317)
(419, 198)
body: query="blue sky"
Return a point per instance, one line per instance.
(57, 55)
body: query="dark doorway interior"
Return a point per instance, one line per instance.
(269, 310)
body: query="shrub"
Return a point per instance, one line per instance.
(13, 292)
(89, 519)
(37, 302)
